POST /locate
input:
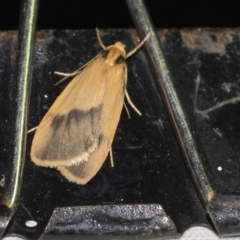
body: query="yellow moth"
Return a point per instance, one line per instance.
(76, 134)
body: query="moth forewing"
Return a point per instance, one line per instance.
(76, 134)
(84, 172)
(61, 135)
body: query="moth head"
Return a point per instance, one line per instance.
(114, 54)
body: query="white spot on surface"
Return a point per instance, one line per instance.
(226, 86)
(2, 181)
(219, 168)
(218, 132)
(13, 238)
(31, 223)
(202, 233)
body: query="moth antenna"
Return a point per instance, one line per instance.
(100, 40)
(139, 45)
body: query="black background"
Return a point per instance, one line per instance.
(79, 14)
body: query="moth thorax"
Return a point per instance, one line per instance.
(116, 54)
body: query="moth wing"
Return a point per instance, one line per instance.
(70, 130)
(84, 172)
(111, 110)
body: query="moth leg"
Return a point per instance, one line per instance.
(72, 74)
(127, 110)
(111, 157)
(131, 103)
(32, 129)
(128, 98)
(67, 75)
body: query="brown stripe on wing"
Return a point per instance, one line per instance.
(72, 136)
(85, 171)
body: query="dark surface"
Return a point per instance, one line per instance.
(149, 167)
(7, 99)
(81, 14)
(224, 212)
(213, 56)
(126, 221)
(153, 156)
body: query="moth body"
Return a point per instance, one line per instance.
(76, 134)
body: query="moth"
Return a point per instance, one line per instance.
(76, 134)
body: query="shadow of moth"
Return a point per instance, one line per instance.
(76, 134)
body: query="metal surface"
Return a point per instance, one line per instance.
(106, 222)
(149, 192)
(149, 167)
(204, 64)
(156, 57)
(225, 214)
(14, 175)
